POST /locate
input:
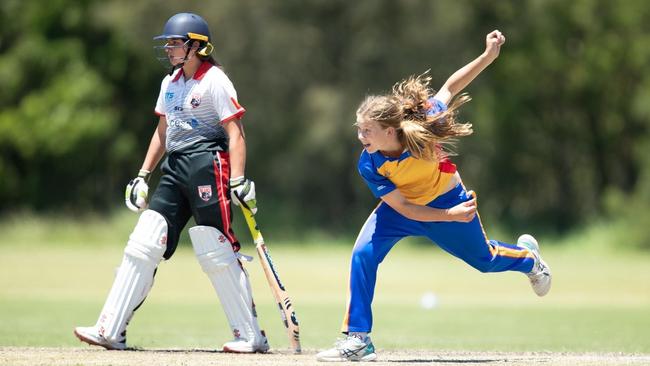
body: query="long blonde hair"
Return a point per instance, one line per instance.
(405, 109)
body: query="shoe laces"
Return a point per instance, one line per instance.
(540, 271)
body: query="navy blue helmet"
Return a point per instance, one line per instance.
(186, 26)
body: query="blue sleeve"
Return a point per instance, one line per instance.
(378, 184)
(436, 107)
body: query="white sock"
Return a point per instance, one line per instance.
(361, 335)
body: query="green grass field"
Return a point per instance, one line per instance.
(600, 301)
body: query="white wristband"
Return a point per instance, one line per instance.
(237, 180)
(144, 173)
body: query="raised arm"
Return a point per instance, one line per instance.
(461, 78)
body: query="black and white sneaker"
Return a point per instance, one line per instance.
(349, 349)
(540, 276)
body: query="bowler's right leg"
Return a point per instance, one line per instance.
(381, 231)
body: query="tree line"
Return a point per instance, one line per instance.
(561, 118)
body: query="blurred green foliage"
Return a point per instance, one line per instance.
(561, 118)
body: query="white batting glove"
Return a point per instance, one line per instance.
(242, 191)
(137, 192)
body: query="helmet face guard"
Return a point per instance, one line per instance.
(162, 55)
(188, 27)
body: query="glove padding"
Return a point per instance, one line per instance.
(242, 191)
(137, 192)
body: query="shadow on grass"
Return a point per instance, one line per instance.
(198, 350)
(447, 361)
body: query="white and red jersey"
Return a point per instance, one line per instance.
(195, 109)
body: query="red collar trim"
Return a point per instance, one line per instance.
(198, 75)
(178, 75)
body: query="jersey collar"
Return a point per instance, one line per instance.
(200, 72)
(178, 75)
(198, 75)
(405, 154)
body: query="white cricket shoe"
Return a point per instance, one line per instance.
(349, 349)
(242, 345)
(91, 336)
(540, 276)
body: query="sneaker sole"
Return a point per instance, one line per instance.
(230, 350)
(370, 357)
(550, 280)
(92, 342)
(327, 359)
(366, 358)
(533, 242)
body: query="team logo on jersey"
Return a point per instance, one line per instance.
(205, 192)
(196, 100)
(169, 96)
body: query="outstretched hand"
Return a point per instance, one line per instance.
(463, 212)
(493, 42)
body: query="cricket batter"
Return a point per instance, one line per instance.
(404, 164)
(200, 129)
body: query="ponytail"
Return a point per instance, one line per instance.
(425, 135)
(204, 53)
(211, 60)
(417, 139)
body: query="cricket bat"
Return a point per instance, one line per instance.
(279, 292)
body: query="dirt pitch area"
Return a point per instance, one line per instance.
(18, 356)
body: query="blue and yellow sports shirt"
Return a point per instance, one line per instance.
(420, 181)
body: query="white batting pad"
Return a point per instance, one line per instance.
(134, 277)
(229, 280)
